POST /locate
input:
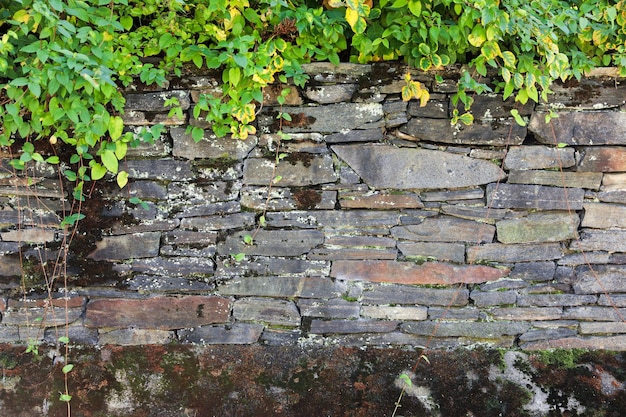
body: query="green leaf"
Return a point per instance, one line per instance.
(97, 171)
(561, 145)
(109, 160)
(406, 379)
(197, 133)
(518, 119)
(238, 257)
(67, 368)
(64, 339)
(415, 7)
(72, 219)
(66, 398)
(508, 58)
(247, 239)
(122, 179)
(126, 22)
(116, 127)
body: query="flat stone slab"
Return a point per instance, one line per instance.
(495, 133)
(441, 251)
(266, 310)
(210, 146)
(538, 157)
(603, 159)
(498, 252)
(446, 229)
(386, 166)
(165, 313)
(430, 273)
(303, 170)
(588, 180)
(236, 334)
(601, 279)
(604, 216)
(478, 330)
(604, 240)
(539, 227)
(580, 128)
(534, 197)
(132, 246)
(272, 243)
(155, 102)
(284, 287)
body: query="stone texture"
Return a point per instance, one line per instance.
(419, 168)
(335, 308)
(496, 252)
(495, 133)
(441, 251)
(580, 128)
(483, 299)
(533, 271)
(476, 330)
(538, 157)
(164, 169)
(453, 195)
(265, 310)
(255, 198)
(589, 93)
(368, 135)
(431, 273)
(526, 313)
(600, 279)
(480, 214)
(327, 94)
(184, 266)
(403, 295)
(352, 253)
(218, 222)
(272, 242)
(554, 300)
(331, 118)
(155, 102)
(539, 227)
(301, 170)
(164, 313)
(445, 229)
(135, 337)
(610, 343)
(604, 216)
(352, 326)
(235, 334)
(595, 313)
(603, 240)
(10, 266)
(395, 312)
(284, 287)
(138, 245)
(534, 197)
(377, 200)
(603, 159)
(30, 235)
(586, 180)
(335, 219)
(210, 146)
(602, 327)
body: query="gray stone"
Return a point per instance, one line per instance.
(345, 72)
(586, 180)
(335, 219)
(370, 135)
(379, 200)
(526, 313)
(434, 109)
(593, 313)
(608, 343)
(273, 91)
(504, 284)
(186, 194)
(325, 253)
(588, 93)
(30, 235)
(402, 294)
(617, 300)
(580, 128)
(494, 133)
(585, 258)
(266, 310)
(138, 245)
(332, 93)
(395, 312)
(493, 106)
(335, 308)
(446, 229)
(555, 300)
(182, 266)
(331, 118)
(497, 252)
(267, 266)
(534, 197)
(600, 279)
(453, 252)
(280, 337)
(539, 227)
(352, 326)
(135, 337)
(40, 317)
(603, 327)
(547, 334)
(272, 242)
(604, 216)
(533, 271)
(210, 147)
(416, 168)
(360, 241)
(614, 182)
(148, 284)
(302, 170)
(480, 214)
(484, 299)
(77, 334)
(162, 169)
(453, 195)
(223, 222)
(451, 313)
(284, 287)
(603, 158)
(155, 102)
(477, 330)
(235, 334)
(601, 240)
(139, 118)
(10, 266)
(255, 198)
(612, 197)
(538, 157)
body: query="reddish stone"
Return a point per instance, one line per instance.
(72, 302)
(158, 313)
(380, 201)
(603, 159)
(429, 273)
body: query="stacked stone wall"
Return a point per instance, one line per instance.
(389, 225)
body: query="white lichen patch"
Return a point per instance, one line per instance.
(422, 393)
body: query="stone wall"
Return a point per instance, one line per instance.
(389, 225)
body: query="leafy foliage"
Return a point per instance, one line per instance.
(63, 63)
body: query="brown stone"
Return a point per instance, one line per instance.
(534, 197)
(379, 200)
(580, 128)
(604, 216)
(603, 159)
(494, 133)
(446, 229)
(138, 245)
(352, 326)
(165, 313)
(441, 251)
(431, 273)
(538, 157)
(611, 343)
(587, 180)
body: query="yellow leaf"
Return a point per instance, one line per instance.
(122, 179)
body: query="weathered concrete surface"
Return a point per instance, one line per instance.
(255, 381)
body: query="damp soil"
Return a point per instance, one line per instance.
(184, 380)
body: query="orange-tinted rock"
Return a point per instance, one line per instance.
(430, 273)
(158, 313)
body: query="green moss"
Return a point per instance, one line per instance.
(562, 358)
